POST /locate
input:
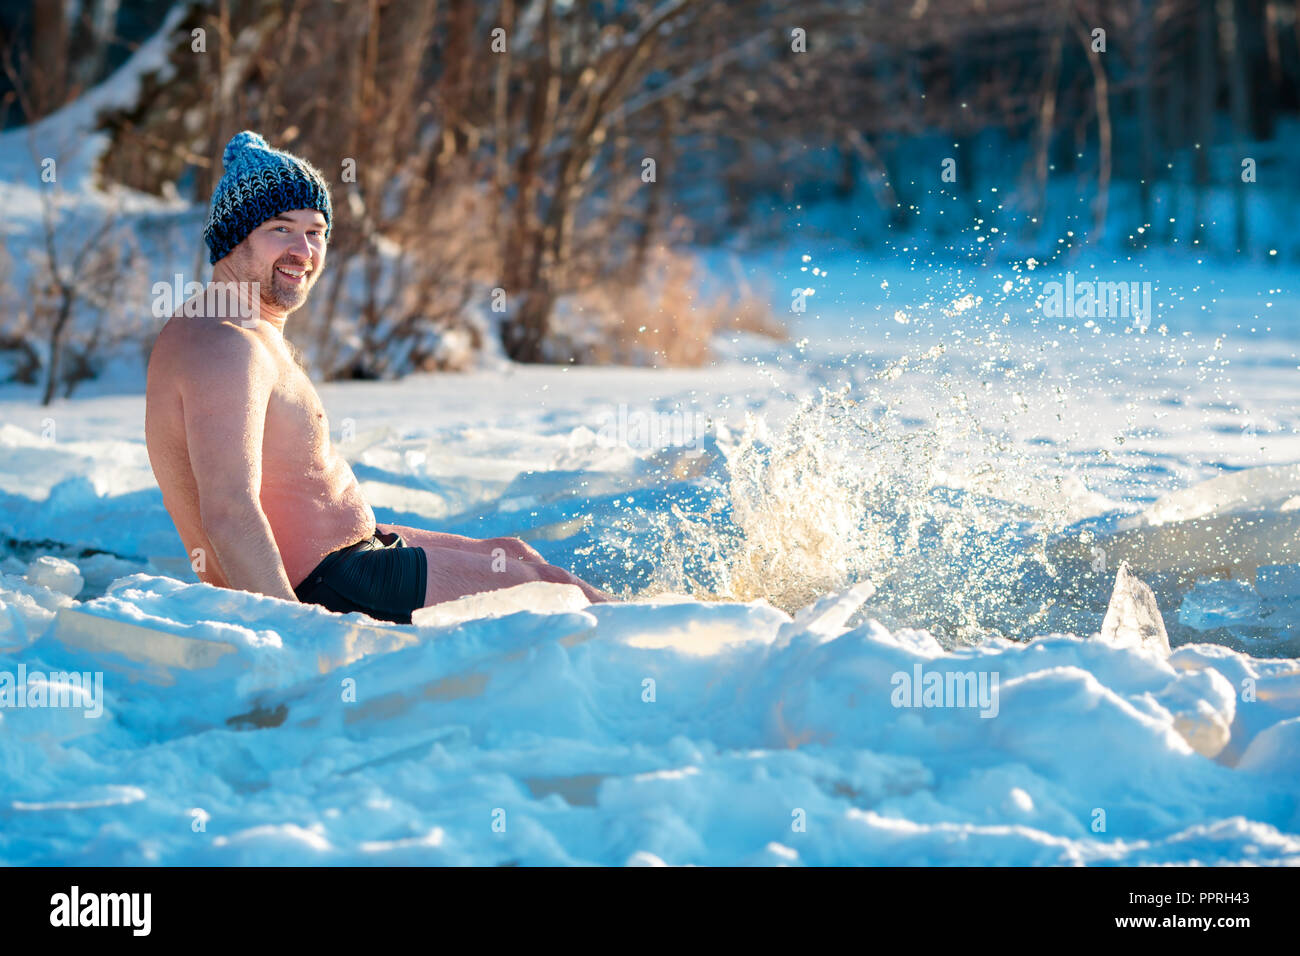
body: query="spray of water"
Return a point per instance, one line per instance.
(945, 477)
(949, 521)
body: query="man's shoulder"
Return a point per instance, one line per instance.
(203, 346)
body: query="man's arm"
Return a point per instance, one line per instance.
(225, 393)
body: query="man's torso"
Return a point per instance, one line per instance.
(309, 495)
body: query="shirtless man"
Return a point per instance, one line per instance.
(238, 439)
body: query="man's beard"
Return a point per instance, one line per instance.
(285, 294)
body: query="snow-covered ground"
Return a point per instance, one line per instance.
(768, 725)
(934, 480)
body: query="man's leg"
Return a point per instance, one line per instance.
(454, 572)
(459, 565)
(511, 547)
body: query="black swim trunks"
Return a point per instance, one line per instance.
(381, 576)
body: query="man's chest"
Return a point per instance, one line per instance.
(296, 427)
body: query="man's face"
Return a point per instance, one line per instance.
(285, 255)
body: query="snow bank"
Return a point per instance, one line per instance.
(530, 726)
(242, 729)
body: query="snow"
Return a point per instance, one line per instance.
(55, 574)
(933, 486)
(542, 717)
(526, 725)
(740, 708)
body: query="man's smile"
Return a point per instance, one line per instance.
(293, 273)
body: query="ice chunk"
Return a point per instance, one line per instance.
(540, 596)
(1215, 604)
(57, 574)
(160, 651)
(1278, 582)
(1254, 489)
(1133, 618)
(825, 618)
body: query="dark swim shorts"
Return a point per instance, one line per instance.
(381, 576)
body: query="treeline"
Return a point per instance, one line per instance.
(539, 160)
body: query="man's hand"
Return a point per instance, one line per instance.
(226, 388)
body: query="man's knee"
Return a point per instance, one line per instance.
(515, 548)
(551, 574)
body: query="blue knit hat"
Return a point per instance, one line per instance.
(260, 182)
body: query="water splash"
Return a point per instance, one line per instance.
(948, 519)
